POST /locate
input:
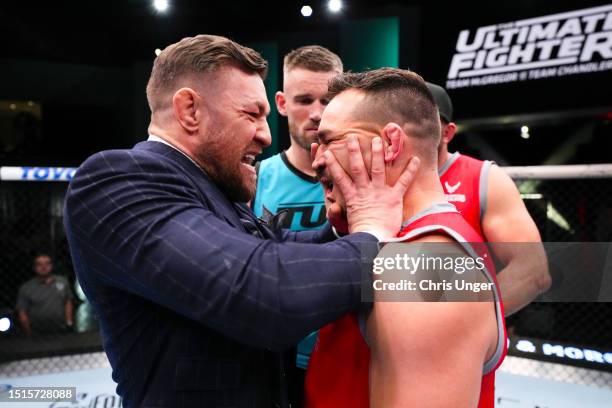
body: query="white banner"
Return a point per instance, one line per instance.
(517, 391)
(25, 173)
(576, 42)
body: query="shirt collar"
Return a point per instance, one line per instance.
(153, 138)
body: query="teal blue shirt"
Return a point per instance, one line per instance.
(281, 186)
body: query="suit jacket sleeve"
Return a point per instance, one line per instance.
(319, 236)
(137, 224)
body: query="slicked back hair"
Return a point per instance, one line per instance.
(197, 55)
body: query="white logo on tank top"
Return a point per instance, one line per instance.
(451, 189)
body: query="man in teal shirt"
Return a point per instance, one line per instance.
(286, 182)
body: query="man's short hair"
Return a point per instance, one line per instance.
(393, 95)
(313, 58)
(41, 255)
(198, 55)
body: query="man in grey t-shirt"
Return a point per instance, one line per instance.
(44, 303)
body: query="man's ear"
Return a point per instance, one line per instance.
(281, 103)
(187, 109)
(393, 135)
(448, 132)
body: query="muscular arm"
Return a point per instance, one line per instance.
(506, 220)
(429, 354)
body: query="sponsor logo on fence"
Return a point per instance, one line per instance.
(25, 173)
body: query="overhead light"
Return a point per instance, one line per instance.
(157, 52)
(5, 324)
(160, 5)
(12, 106)
(334, 5)
(306, 11)
(531, 196)
(525, 132)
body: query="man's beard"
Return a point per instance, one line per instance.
(225, 169)
(230, 181)
(301, 139)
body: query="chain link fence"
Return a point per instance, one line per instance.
(58, 318)
(568, 203)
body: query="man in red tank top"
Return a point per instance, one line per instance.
(435, 354)
(490, 202)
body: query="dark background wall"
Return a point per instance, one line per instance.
(88, 64)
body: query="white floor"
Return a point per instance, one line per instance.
(521, 383)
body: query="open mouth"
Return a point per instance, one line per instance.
(248, 160)
(328, 188)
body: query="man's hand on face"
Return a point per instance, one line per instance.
(371, 204)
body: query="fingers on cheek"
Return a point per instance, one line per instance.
(353, 147)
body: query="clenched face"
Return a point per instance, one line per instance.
(236, 131)
(302, 102)
(338, 122)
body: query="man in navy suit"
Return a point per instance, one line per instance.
(195, 296)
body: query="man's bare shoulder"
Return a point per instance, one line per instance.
(428, 310)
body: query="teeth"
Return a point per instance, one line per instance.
(248, 158)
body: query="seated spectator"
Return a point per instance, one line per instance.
(44, 303)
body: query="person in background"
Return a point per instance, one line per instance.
(44, 303)
(490, 202)
(286, 181)
(287, 184)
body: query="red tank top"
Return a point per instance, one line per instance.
(464, 180)
(338, 371)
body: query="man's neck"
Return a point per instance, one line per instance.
(422, 194)
(443, 156)
(300, 159)
(169, 140)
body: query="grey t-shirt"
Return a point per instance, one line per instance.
(44, 302)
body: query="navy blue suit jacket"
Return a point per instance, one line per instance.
(191, 305)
